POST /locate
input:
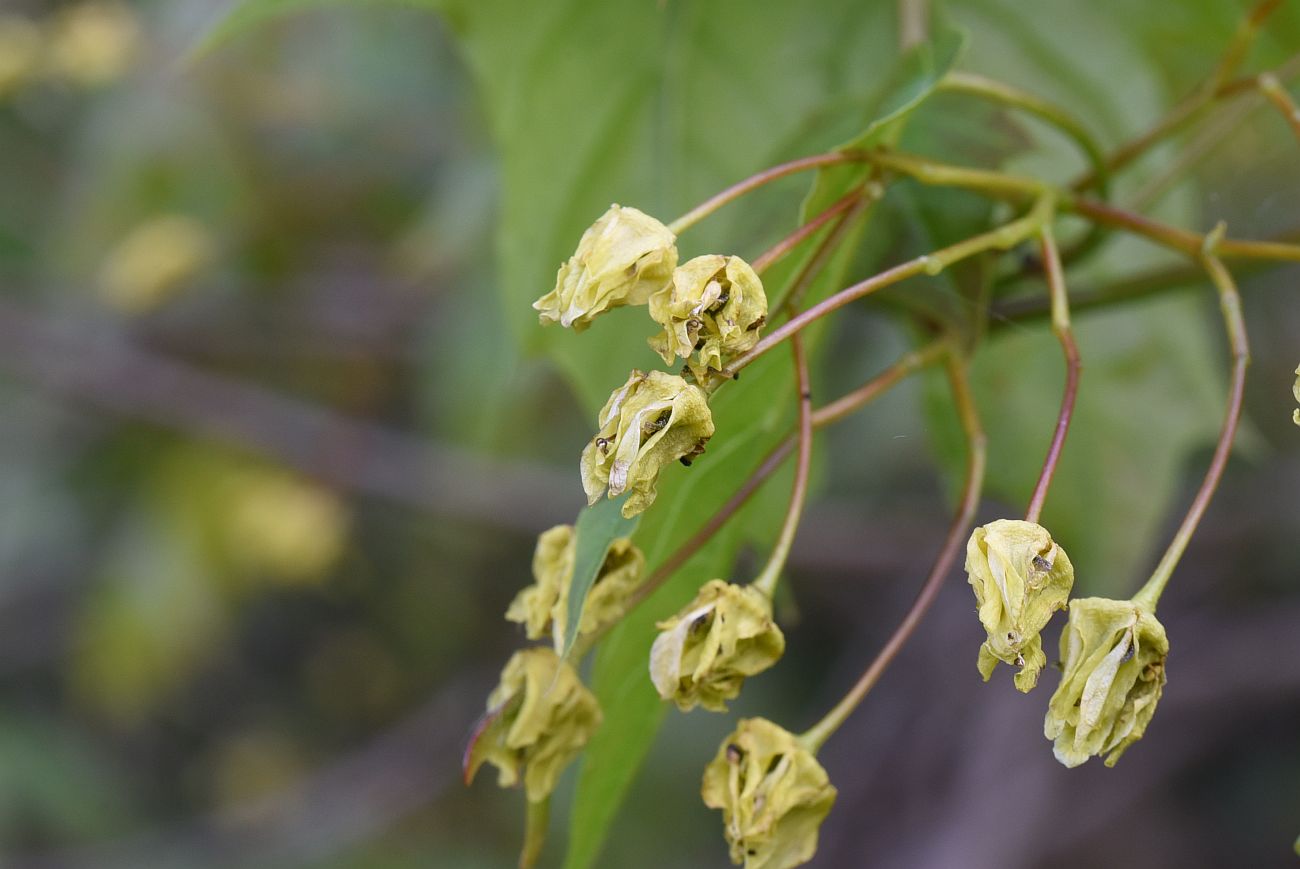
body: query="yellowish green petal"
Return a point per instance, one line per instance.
(1020, 577)
(703, 654)
(539, 718)
(652, 420)
(1114, 658)
(622, 259)
(714, 307)
(773, 795)
(542, 608)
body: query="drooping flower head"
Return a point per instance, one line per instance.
(703, 654)
(621, 259)
(1020, 577)
(773, 794)
(1114, 656)
(714, 306)
(539, 717)
(650, 421)
(543, 607)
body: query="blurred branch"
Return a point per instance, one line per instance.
(82, 364)
(346, 803)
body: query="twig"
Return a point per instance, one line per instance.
(975, 445)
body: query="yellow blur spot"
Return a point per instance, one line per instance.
(93, 43)
(291, 529)
(154, 261)
(20, 51)
(254, 764)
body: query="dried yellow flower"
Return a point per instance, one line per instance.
(650, 421)
(1114, 655)
(1295, 390)
(543, 606)
(621, 259)
(703, 654)
(539, 718)
(773, 794)
(715, 305)
(1020, 577)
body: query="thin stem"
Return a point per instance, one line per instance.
(975, 440)
(1197, 102)
(826, 415)
(1277, 95)
(1064, 334)
(792, 298)
(1057, 116)
(926, 171)
(537, 818)
(767, 579)
(753, 182)
(1181, 239)
(1284, 71)
(1230, 303)
(1002, 238)
(774, 253)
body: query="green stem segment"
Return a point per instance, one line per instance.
(536, 819)
(1230, 303)
(975, 445)
(1065, 335)
(766, 581)
(1281, 100)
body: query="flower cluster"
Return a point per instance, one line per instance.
(543, 607)
(703, 654)
(538, 719)
(773, 795)
(1020, 578)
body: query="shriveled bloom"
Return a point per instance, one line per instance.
(773, 794)
(538, 719)
(715, 305)
(621, 259)
(543, 607)
(1020, 577)
(703, 654)
(650, 421)
(1114, 656)
(1295, 390)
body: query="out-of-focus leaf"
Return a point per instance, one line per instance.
(914, 80)
(242, 15)
(598, 526)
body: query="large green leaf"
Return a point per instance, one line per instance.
(597, 528)
(242, 15)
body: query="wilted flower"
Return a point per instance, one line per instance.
(543, 607)
(773, 794)
(621, 259)
(648, 422)
(1114, 655)
(703, 654)
(1020, 578)
(1295, 390)
(714, 305)
(539, 717)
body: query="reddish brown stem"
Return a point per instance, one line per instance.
(794, 239)
(1061, 328)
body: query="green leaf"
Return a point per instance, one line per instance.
(244, 15)
(915, 79)
(598, 526)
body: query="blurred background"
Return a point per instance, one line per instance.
(274, 451)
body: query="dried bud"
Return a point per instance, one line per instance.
(1020, 578)
(1295, 390)
(543, 607)
(621, 259)
(1114, 655)
(652, 420)
(714, 305)
(703, 654)
(539, 717)
(773, 794)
